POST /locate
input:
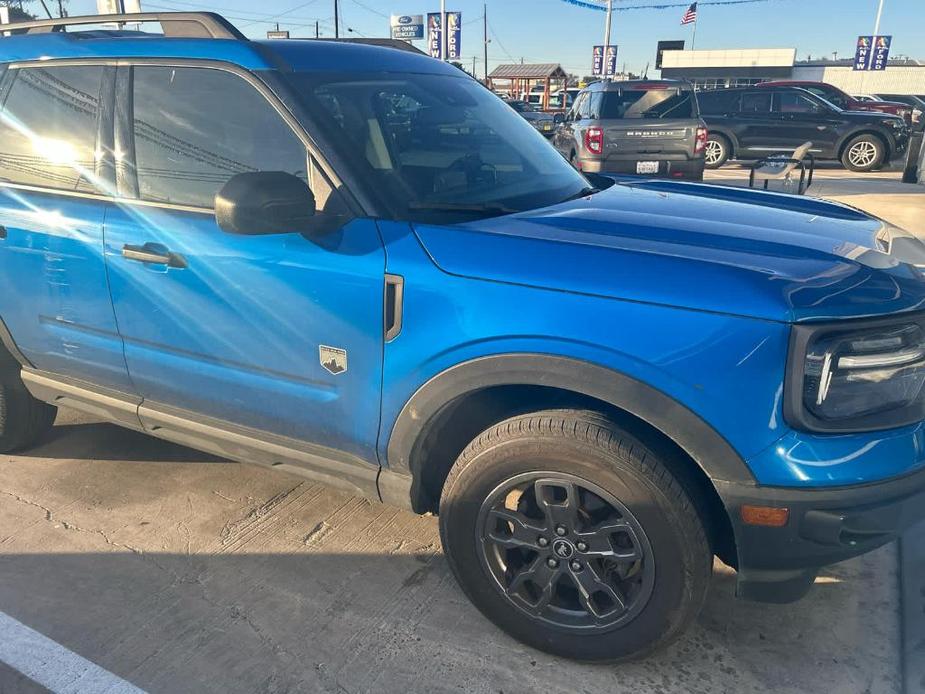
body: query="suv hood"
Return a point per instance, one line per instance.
(727, 250)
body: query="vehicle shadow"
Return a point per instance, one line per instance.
(278, 585)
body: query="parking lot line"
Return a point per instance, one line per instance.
(52, 665)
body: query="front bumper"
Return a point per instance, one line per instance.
(825, 526)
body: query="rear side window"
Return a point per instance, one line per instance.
(756, 102)
(718, 103)
(195, 128)
(48, 127)
(648, 103)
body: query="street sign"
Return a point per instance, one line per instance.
(435, 36)
(872, 52)
(277, 34)
(598, 61)
(409, 27)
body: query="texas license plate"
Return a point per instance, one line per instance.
(646, 167)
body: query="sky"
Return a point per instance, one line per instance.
(555, 31)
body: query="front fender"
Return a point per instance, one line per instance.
(703, 443)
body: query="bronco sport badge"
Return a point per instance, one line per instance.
(333, 359)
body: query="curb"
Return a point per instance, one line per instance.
(912, 589)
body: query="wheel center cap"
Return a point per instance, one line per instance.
(563, 549)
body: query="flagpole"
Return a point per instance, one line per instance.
(694, 33)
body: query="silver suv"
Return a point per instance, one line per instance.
(645, 127)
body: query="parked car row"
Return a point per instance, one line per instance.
(664, 128)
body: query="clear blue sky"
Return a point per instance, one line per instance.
(554, 31)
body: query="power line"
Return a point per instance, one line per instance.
(501, 45)
(370, 9)
(662, 6)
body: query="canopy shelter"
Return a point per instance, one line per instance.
(518, 79)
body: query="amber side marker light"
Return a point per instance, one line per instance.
(764, 515)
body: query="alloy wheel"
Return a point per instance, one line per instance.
(565, 552)
(713, 152)
(862, 154)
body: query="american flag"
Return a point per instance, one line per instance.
(690, 15)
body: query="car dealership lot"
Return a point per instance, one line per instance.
(155, 565)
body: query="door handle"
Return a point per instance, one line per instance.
(153, 254)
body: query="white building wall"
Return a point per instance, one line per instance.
(896, 79)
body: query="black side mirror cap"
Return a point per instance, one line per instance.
(265, 202)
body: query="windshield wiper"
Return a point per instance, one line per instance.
(477, 208)
(583, 193)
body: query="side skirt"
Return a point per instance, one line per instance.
(326, 466)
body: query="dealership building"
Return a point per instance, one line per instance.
(711, 69)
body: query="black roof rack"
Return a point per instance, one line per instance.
(174, 24)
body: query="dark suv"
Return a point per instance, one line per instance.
(636, 127)
(751, 123)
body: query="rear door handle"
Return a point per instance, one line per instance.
(153, 254)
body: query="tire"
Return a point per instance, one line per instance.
(23, 419)
(641, 597)
(716, 151)
(864, 153)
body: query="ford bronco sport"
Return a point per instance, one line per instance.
(357, 264)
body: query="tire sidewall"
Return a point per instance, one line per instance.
(676, 564)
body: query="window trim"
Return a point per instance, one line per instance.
(357, 204)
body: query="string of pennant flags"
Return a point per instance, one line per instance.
(662, 6)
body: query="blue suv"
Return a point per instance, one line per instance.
(356, 264)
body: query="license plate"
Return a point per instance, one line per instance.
(646, 167)
(547, 126)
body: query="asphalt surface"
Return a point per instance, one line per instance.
(128, 564)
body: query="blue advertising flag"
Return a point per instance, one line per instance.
(881, 52)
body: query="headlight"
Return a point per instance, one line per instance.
(857, 378)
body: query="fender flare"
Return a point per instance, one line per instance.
(715, 456)
(7, 341)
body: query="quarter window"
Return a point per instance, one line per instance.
(195, 128)
(48, 127)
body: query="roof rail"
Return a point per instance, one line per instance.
(174, 24)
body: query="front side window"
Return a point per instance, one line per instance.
(833, 96)
(648, 103)
(791, 102)
(48, 127)
(436, 147)
(195, 128)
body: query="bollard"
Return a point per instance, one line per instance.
(914, 171)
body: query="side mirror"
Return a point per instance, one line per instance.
(559, 118)
(265, 202)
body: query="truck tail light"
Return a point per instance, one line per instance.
(594, 140)
(700, 142)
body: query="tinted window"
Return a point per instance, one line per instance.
(831, 95)
(583, 107)
(648, 103)
(436, 147)
(719, 102)
(195, 128)
(756, 102)
(792, 102)
(48, 127)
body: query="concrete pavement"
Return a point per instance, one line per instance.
(177, 572)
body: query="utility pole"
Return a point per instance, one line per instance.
(444, 34)
(607, 36)
(317, 32)
(61, 8)
(485, 37)
(877, 23)
(473, 66)
(336, 22)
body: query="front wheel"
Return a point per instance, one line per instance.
(572, 536)
(864, 153)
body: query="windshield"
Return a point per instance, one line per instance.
(435, 147)
(648, 103)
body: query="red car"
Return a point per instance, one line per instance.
(844, 101)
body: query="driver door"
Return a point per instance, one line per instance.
(276, 338)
